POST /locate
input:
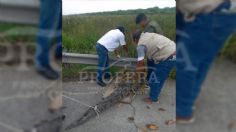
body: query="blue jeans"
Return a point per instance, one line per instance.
(198, 43)
(103, 61)
(59, 50)
(158, 73)
(49, 28)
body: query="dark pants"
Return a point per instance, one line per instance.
(49, 27)
(198, 43)
(103, 62)
(157, 75)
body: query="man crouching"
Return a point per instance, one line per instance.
(108, 43)
(160, 52)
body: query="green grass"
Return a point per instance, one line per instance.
(229, 50)
(80, 34)
(14, 33)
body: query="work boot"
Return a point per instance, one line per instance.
(48, 72)
(101, 83)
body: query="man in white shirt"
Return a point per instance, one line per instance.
(108, 43)
(160, 53)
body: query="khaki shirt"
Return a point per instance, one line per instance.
(158, 47)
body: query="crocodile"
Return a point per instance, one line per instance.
(125, 88)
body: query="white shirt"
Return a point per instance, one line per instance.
(112, 40)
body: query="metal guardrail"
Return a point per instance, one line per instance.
(93, 60)
(19, 11)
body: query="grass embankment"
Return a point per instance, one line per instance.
(80, 33)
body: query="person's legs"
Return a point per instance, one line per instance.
(150, 67)
(196, 49)
(205, 37)
(49, 20)
(219, 36)
(188, 83)
(158, 76)
(107, 71)
(58, 51)
(102, 61)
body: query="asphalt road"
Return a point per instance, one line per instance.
(115, 119)
(24, 99)
(216, 105)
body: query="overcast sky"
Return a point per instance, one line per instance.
(88, 6)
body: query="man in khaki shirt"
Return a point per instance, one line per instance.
(160, 52)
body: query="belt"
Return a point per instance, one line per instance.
(172, 56)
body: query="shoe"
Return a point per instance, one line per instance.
(149, 101)
(102, 84)
(48, 73)
(185, 120)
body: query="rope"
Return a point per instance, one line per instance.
(95, 108)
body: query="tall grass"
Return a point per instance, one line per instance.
(80, 33)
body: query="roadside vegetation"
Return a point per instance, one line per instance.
(229, 50)
(81, 32)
